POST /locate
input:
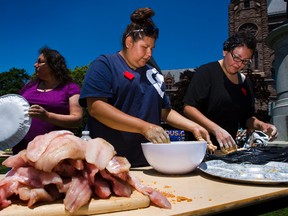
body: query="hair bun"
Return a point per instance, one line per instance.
(142, 16)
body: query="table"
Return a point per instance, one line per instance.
(200, 194)
(208, 194)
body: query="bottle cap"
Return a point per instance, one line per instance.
(85, 132)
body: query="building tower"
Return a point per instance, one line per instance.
(252, 15)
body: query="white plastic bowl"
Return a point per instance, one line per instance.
(178, 157)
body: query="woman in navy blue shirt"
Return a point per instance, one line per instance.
(126, 97)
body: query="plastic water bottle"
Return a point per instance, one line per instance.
(85, 135)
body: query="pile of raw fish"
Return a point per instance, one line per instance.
(60, 165)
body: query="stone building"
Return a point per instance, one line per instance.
(260, 17)
(172, 79)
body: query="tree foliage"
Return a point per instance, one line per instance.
(78, 74)
(12, 81)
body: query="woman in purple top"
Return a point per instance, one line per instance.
(53, 97)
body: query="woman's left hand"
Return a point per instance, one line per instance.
(156, 134)
(37, 111)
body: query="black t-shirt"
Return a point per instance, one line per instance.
(227, 104)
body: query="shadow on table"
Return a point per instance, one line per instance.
(152, 172)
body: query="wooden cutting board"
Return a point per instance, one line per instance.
(113, 204)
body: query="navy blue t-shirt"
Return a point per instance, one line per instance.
(139, 93)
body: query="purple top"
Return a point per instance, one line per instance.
(56, 101)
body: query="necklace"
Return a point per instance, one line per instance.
(42, 86)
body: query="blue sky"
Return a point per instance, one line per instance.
(191, 32)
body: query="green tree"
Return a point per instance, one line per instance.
(12, 81)
(78, 75)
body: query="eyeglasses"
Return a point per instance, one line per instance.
(148, 31)
(40, 62)
(238, 59)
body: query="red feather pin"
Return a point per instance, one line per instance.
(128, 75)
(244, 91)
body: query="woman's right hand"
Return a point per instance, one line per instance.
(156, 134)
(224, 139)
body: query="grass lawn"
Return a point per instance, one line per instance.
(278, 207)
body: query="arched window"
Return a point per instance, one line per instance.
(249, 27)
(254, 30)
